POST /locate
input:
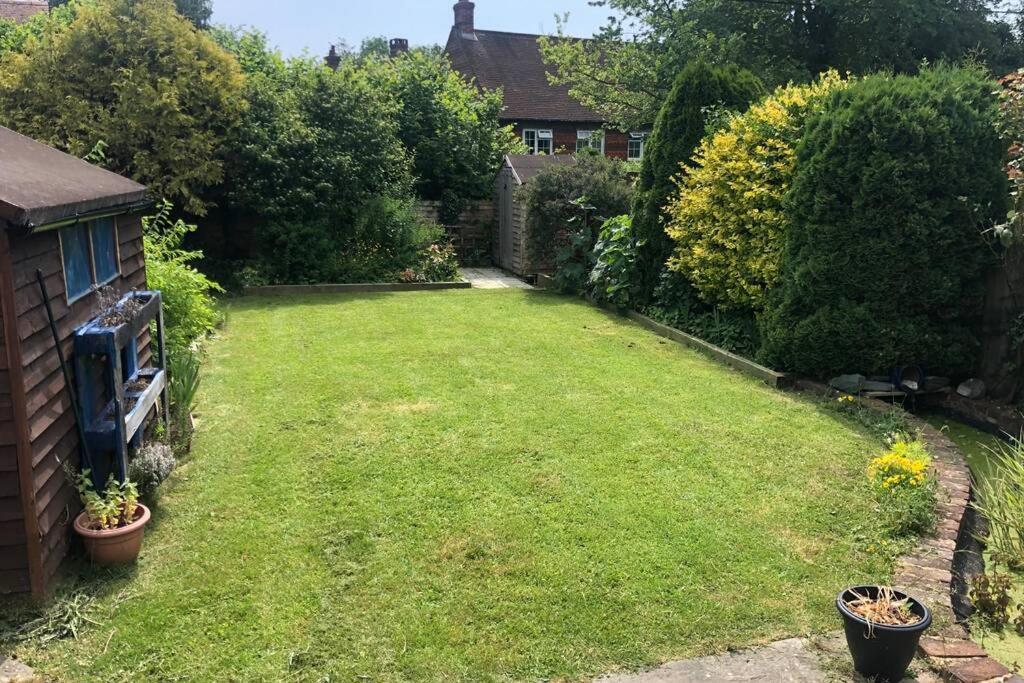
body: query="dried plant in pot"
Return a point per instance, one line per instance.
(113, 523)
(883, 628)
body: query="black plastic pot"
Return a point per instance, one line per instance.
(882, 652)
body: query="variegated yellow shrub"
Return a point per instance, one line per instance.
(727, 218)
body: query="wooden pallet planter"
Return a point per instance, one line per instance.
(129, 392)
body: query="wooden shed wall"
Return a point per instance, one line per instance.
(14, 576)
(51, 425)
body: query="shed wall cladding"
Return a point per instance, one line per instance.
(54, 439)
(13, 553)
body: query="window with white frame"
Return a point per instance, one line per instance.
(635, 146)
(590, 140)
(90, 255)
(538, 141)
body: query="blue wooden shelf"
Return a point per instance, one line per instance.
(115, 394)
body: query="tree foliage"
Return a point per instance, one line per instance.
(136, 75)
(699, 90)
(449, 127)
(627, 69)
(564, 201)
(896, 181)
(727, 219)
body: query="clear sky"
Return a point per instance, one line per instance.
(296, 24)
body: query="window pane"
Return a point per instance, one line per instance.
(530, 138)
(544, 147)
(74, 243)
(104, 249)
(636, 149)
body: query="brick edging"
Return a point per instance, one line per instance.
(929, 571)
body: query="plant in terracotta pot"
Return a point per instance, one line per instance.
(113, 522)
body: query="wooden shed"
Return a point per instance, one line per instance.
(81, 227)
(510, 248)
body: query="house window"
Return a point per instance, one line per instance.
(538, 141)
(90, 255)
(635, 146)
(590, 139)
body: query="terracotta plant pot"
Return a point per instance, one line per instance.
(113, 546)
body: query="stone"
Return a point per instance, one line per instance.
(972, 389)
(945, 647)
(977, 670)
(13, 671)
(848, 384)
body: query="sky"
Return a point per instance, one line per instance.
(296, 24)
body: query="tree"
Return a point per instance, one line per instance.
(137, 76)
(627, 69)
(449, 127)
(727, 219)
(196, 11)
(699, 90)
(897, 180)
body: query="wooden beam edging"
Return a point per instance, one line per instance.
(779, 380)
(930, 571)
(364, 288)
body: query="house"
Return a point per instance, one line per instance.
(545, 116)
(80, 227)
(20, 10)
(510, 247)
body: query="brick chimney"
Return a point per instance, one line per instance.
(399, 46)
(333, 59)
(464, 16)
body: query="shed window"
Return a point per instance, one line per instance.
(590, 140)
(89, 251)
(538, 141)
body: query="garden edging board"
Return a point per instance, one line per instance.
(363, 288)
(929, 571)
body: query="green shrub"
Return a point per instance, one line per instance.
(896, 180)
(700, 90)
(135, 74)
(727, 219)
(566, 203)
(190, 310)
(611, 280)
(676, 303)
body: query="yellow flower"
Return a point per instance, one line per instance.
(905, 464)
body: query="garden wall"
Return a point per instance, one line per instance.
(471, 234)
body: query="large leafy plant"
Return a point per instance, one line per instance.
(188, 296)
(611, 280)
(111, 508)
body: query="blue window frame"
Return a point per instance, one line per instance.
(89, 252)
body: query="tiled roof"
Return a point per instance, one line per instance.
(513, 61)
(19, 10)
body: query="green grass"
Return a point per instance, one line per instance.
(1007, 646)
(477, 485)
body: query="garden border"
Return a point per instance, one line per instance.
(361, 288)
(930, 570)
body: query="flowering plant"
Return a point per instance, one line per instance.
(904, 465)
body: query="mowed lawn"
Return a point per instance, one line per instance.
(477, 485)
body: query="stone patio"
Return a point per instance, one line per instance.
(493, 278)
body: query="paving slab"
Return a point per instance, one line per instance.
(492, 278)
(786, 661)
(13, 671)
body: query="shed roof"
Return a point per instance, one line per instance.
(19, 10)
(513, 61)
(40, 185)
(526, 166)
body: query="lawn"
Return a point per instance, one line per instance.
(477, 485)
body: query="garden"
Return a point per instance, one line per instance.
(474, 484)
(526, 484)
